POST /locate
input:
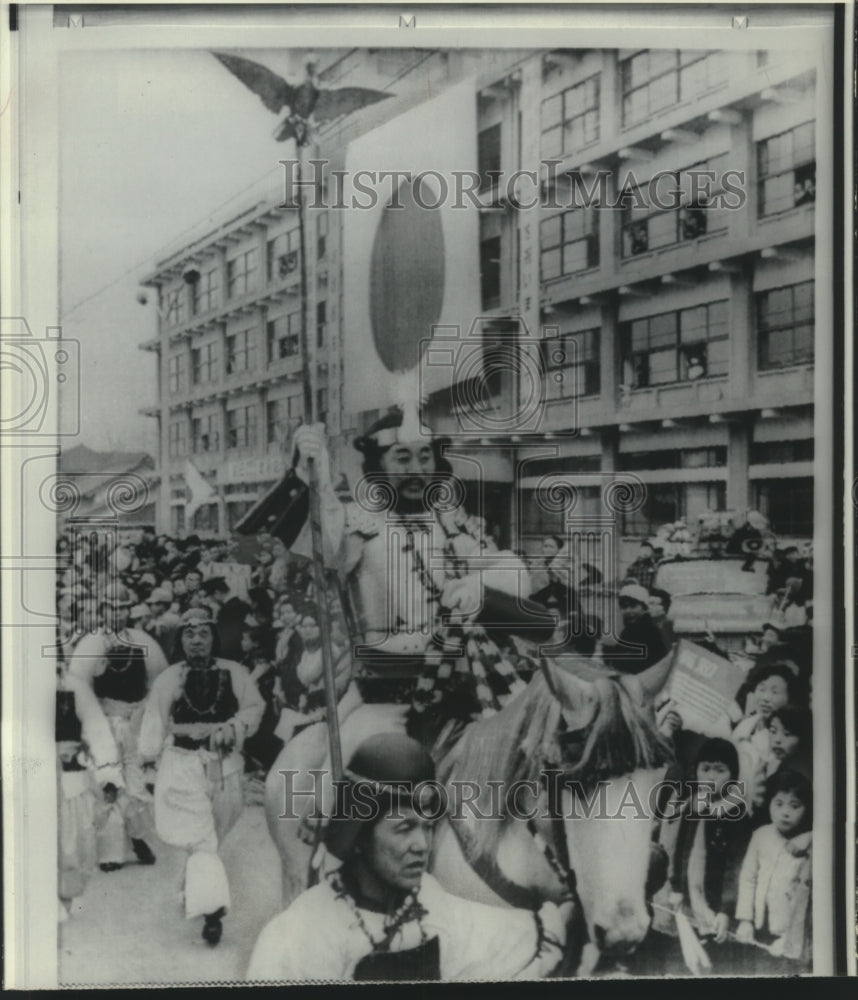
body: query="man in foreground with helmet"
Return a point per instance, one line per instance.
(120, 665)
(380, 916)
(197, 717)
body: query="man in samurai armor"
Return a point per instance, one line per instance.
(379, 915)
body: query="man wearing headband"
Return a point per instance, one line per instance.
(380, 916)
(411, 559)
(197, 717)
(120, 664)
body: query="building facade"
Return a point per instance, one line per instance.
(673, 342)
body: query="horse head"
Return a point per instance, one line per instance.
(610, 758)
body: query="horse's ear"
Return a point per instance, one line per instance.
(653, 679)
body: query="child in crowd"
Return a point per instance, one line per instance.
(790, 741)
(775, 881)
(769, 688)
(706, 840)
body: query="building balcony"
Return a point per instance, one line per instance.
(790, 386)
(676, 399)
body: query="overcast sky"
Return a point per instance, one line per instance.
(153, 144)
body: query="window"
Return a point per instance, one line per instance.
(322, 404)
(205, 518)
(777, 452)
(653, 80)
(788, 504)
(668, 502)
(241, 351)
(573, 463)
(692, 214)
(204, 434)
(283, 255)
(175, 307)
(570, 119)
(204, 363)
(241, 427)
(569, 243)
(321, 324)
(672, 458)
(785, 326)
(572, 365)
(177, 442)
(176, 372)
(786, 169)
(536, 520)
(284, 336)
(206, 291)
(321, 235)
(676, 346)
(282, 416)
(490, 271)
(241, 273)
(272, 421)
(177, 519)
(489, 157)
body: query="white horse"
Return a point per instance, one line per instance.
(592, 732)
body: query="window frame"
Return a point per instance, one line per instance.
(273, 340)
(177, 439)
(241, 426)
(792, 167)
(764, 333)
(247, 351)
(245, 276)
(205, 294)
(643, 523)
(175, 304)
(629, 223)
(274, 256)
(589, 361)
(205, 427)
(679, 346)
(204, 358)
(565, 120)
(589, 237)
(176, 372)
(681, 65)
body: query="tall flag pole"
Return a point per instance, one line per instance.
(315, 502)
(308, 104)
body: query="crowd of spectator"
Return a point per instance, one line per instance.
(742, 885)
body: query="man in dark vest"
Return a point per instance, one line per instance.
(119, 664)
(197, 717)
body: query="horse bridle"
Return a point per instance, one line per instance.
(557, 855)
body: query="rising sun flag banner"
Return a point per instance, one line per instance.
(411, 260)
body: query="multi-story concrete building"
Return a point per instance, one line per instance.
(676, 342)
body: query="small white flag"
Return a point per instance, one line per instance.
(198, 490)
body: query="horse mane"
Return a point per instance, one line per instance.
(525, 738)
(505, 747)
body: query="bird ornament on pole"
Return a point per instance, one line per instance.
(309, 106)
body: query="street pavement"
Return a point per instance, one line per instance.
(129, 926)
